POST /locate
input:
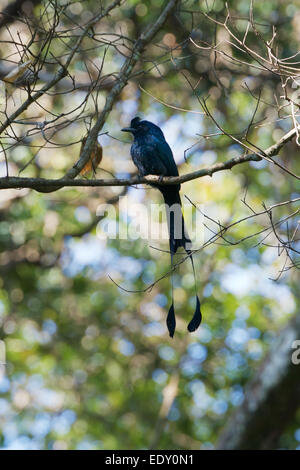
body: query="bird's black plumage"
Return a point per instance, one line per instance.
(153, 156)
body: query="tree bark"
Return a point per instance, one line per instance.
(271, 399)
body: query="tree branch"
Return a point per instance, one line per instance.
(14, 10)
(271, 399)
(41, 184)
(62, 72)
(121, 82)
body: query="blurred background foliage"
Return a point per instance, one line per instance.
(91, 366)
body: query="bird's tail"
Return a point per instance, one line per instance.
(178, 237)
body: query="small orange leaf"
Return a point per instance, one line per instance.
(94, 160)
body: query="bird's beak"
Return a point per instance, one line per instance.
(128, 129)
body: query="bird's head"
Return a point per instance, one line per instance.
(138, 127)
(141, 128)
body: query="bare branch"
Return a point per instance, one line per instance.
(40, 183)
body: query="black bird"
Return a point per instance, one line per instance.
(152, 155)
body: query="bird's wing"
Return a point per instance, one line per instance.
(166, 156)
